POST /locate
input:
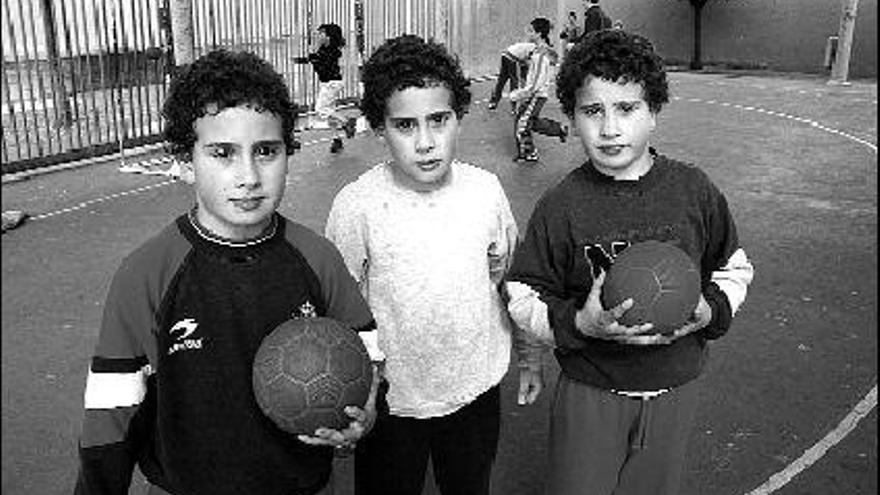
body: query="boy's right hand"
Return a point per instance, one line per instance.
(594, 321)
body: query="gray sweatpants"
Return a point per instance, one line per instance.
(602, 443)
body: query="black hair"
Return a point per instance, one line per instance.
(614, 55)
(218, 80)
(542, 26)
(334, 34)
(410, 61)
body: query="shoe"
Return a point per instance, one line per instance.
(336, 146)
(492, 105)
(530, 157)
(350, 127)
(563, 136)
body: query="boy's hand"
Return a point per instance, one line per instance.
(530, 385)
(362, 424)
(347, 438)
(593, 321)
(699, 319)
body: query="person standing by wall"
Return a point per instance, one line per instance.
(571, 33)
(595, 18)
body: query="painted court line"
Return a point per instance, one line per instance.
(869, 402)
(814, 453)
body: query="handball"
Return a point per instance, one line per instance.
(662, 281)
(307, 371)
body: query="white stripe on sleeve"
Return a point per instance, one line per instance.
(110, 390)
(529, 312)
(371, 342)
(734, 278)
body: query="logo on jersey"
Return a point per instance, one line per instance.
(307, 310)
(181, 332)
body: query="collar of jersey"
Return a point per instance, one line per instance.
(206, 234)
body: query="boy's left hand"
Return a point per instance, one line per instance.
(701, 317)
(362, 424)
(347, 438)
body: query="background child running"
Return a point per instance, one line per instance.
(513, 70)
(325, 60)
(169, 386)
(531, 97)
(626, 397)
(429, 239)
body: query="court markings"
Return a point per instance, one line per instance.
(814, 453)
(869, 402)
(812, 123)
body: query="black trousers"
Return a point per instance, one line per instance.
(393, 458)
(512, 71)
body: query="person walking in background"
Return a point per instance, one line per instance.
(626, 396)
(514, 68)
(429, 238)
(595, 18)
(530, 98)
(325, 61)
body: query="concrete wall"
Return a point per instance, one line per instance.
(785, 35)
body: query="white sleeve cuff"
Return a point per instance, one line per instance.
(371, 342)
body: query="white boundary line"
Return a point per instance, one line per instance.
(869, 402)
(814, 453)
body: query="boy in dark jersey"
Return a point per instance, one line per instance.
(625, 398)
(169, 386)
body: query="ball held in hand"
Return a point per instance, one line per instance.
(661, 279)
(307, 370)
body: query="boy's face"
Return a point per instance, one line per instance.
(614, 123)
(421, 132)
(239, 165)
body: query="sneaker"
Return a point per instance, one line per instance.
(492, 105)
(529, 157)
(350, 127)
(336, 146)
(563, 136)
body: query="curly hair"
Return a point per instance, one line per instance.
(410, 61)
(613, 55)
(218, 80)
(334, 34)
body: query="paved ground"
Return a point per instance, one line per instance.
(787, 404)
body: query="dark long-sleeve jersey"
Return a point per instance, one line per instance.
(325, 61)
(169, 386)
(576, 230)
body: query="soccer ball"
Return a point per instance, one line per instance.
(307, 370)
(662, 281)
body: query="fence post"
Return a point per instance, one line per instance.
(441, 14)
(59, 89)
(182, 32)
(840, 64)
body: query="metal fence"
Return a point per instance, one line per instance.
(84, 78)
